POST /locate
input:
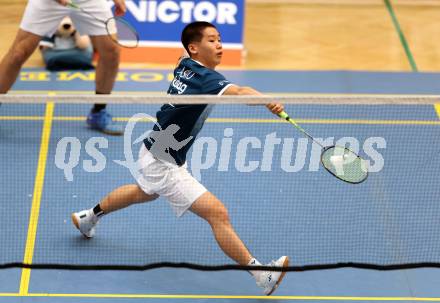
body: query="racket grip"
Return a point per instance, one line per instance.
(72, 5)
(283, 115)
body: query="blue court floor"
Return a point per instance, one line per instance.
(278, 203)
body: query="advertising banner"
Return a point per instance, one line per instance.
(159, 24)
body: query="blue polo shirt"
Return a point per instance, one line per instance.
(190, 78)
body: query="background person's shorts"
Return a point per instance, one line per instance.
(42, 17)
(170, 181)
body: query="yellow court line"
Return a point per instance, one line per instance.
(437, 109)
(152, 296)
(21, 118)
(246, 120)
(7, 294)
(324, 121)
(38, 189)
(61, 118)
(305, 121)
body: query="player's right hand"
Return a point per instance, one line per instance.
(63, 2)
(120, 7)
(275, 108)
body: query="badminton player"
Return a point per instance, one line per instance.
(163, 154)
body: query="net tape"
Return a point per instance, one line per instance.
(209, 99)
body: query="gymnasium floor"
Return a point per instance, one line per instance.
(36, 187)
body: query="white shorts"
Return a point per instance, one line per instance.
(168, 180)
(42, 17)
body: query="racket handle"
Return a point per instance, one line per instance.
(284, 115)
(72, 5)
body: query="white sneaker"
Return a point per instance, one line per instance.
(85, 221)
(269, 280)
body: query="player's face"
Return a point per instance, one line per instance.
(209, 49)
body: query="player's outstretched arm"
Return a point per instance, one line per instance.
(241, 91)
(234, 90)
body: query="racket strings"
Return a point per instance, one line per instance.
(118, 29)
(122, 32)
(344, 164)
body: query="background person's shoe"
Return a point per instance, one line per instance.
(103, 122)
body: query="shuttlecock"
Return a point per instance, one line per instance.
(337, 160)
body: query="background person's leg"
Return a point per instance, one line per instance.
(108, 63)
(23, 46)
(106, 71)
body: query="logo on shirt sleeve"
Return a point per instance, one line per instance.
(186, 73)
(179, 85)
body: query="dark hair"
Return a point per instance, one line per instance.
(193, 32)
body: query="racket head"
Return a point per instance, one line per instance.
(122, 33)
(344, 164)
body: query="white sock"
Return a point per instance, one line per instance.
(255, 273)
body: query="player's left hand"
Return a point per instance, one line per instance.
(120, 8)
(275, 108)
